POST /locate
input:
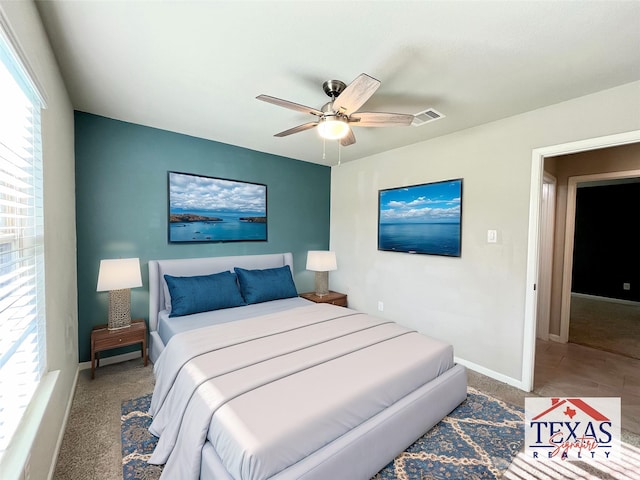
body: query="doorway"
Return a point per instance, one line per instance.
(534, 240)
(565, 312)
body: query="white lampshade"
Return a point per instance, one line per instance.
(321, 261)
(119, 273)
(333, 128)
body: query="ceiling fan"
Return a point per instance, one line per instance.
(337, 116)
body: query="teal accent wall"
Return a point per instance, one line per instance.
(122, 206)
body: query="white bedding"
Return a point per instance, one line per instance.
(169, 326)
(269, 391)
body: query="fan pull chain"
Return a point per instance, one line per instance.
(339, 152)
(324, 149)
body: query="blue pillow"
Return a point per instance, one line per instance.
(203, 293)
(259, 286)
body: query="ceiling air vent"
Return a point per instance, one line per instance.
(429, 115)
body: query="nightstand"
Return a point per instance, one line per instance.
(334, 298)
(104, 339)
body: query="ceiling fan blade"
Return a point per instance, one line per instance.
(299, 128)
(356, 94)
(348, 139)
(380, 119)
(291, 105)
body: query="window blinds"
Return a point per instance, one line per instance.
(22, 319)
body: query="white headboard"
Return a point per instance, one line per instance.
(185, 267)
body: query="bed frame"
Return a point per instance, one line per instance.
(364, 450)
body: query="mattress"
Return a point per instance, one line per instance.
(266, 392)
(169, 326)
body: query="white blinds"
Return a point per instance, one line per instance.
(22, 334)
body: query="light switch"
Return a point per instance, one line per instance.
(492, 236)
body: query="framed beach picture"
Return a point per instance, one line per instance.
(424, 218)
(209, 209)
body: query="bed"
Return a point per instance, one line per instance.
(268, 385)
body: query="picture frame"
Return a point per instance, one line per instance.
(209, 209)
(421, 219)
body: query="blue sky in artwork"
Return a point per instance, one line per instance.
(430, 203)
(189, 193)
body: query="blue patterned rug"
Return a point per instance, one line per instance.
(478, 440)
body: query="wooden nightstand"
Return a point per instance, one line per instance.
(105, 339)
(334, 298)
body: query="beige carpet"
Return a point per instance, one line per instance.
(605, 325)
(91, 447)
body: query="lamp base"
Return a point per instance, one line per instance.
(119, 309)
(322, 283)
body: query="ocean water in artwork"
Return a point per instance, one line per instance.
(218, 227)
(431, 238)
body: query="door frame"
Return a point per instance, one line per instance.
(547, 236)
(531, 296)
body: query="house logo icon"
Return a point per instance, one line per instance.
(572, 428)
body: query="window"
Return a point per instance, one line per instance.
(22, 319)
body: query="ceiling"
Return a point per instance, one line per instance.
(196, 67)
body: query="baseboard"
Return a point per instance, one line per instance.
(113, 359)
(555, 338)
(605, 299)
(63, 427)
(490, 373)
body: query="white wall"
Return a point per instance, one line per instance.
(477, 301)
(60, 249)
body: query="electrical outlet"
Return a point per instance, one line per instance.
(380, 306)
(626, 286)
(492, 236)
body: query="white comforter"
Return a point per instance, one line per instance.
(269, 391)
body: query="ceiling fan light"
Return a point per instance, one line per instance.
(333, 128)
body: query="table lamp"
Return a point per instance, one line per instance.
(321, 262)
(118, 276)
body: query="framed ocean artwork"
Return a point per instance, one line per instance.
(209, 209)
(423, 219)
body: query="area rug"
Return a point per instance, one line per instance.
(479, 439)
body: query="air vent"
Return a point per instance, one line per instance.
(428, 115)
